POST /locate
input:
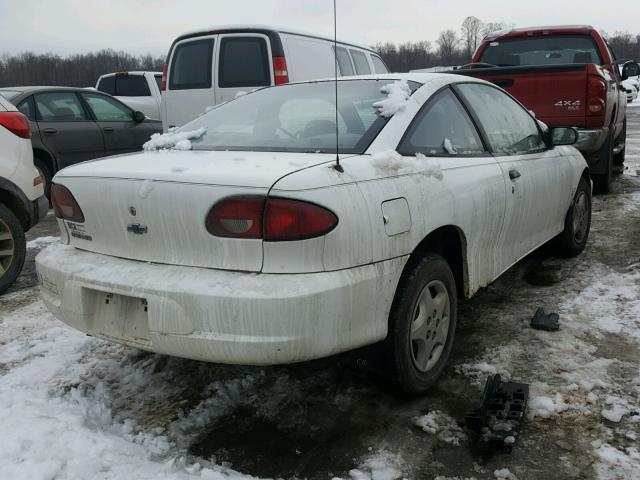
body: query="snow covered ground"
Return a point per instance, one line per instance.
(74, 407)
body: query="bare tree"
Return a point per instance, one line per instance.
(491, 27)
(447, 46)
(470, 32)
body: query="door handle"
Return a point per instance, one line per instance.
(108, 129)
(514, 174)
(50, 131)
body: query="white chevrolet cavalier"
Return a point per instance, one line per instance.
(255, 247)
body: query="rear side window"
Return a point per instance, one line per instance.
(244, 62)
(107, 85)
(344, 62)
(378, 64)
(442, 128)
(362, 66)
(59, 107)
(191, 65)
(26, 108)
(547, 50)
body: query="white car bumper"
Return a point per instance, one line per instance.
(215, 315)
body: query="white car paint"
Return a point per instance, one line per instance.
(16, 159)
(249, 301)
(147, 104)
(307, 57)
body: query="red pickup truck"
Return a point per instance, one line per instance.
(569, 78)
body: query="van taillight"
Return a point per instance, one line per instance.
(274, 219)
(596, 95)
(64, 205)
(16, 123)
(280, 73)
(163, 83)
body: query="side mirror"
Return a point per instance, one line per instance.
(630, 69)
(139, 117)
(563, 136)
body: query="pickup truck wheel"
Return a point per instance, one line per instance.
(577, 223)
(422, 324)
(618, 158)
(12, 247)
(602, 182)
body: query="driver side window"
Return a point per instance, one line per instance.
(510, 129)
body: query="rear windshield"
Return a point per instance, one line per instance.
(125, 86)
(244, 62)
(547, 50)
(296, 118)
(191, 65)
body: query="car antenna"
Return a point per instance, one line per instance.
(337, 166)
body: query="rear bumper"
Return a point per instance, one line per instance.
(218, 316)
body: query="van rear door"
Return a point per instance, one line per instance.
(191, 80)
(244, 63)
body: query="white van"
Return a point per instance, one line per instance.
(212, 66)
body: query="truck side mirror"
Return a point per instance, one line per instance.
(630, 69)
(563, 136)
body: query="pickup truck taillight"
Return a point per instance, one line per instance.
(163, 83)
(596, 95)
(272, 219)
(64, 205)
(16, 123)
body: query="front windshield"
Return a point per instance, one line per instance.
(548, 50)
(296, 118)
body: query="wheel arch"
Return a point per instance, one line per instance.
(14, 200)
(450, 242)
(47, 158)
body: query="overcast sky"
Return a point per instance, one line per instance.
(149, 26)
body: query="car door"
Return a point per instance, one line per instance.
(66, 128)
(120, 130)
(537, 178)
(471, 192)
(243, 63)
(190, 88)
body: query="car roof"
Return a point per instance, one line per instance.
(38, 88)
(131, 72)
(551, 29)
(418, 77)
(270, 28)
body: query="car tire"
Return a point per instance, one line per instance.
(44, 172)
(602, 182)
(618, 158)
(577, 223)
(12, 247)
(422, 324)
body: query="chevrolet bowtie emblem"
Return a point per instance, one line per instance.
(137, 228)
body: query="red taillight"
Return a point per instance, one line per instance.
(163, 83)
(596, 95)
(237, 217)
(280, 73)
(16, 123)
(295, 220)
(275, 219)
(64, 205)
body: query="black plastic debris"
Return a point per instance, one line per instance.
(497, 421)
(545, 321)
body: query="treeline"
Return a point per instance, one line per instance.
(451, 48)
(457, 48)
(81, 70)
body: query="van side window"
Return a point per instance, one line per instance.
(378, 64)
(344, 62)
(191, 65)
(362, 66)
(244, 62)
